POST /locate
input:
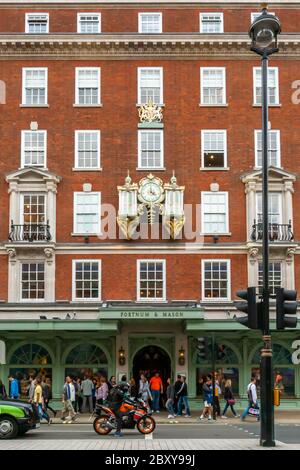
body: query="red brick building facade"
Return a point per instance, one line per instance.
(73, 79)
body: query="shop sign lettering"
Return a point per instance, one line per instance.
(141, 314)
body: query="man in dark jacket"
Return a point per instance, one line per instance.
(177, 386)
(183, 398)
(116, 397)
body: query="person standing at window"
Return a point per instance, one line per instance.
(87, 392)
(102, 391)
(144, 389)
(112, 382)
(156, 388)
(133, 388)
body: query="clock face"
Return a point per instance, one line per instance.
(151, 192)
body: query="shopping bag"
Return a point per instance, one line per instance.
(254, 411)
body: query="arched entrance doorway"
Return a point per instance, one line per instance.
(151, 359)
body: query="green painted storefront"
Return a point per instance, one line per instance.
(58, 347)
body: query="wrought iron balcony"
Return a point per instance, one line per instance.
(29, 233)
(277, 232)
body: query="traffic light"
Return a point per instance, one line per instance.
(286, 304)
(249, 306)
(201, 347)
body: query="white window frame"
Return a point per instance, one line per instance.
(32, 261)
(98, 232)
(218, 13)
(33, 193)
(275, 131)
(29, 69)
(157, 131)
(161, 84)
(204, 193)
(216, 299)
(88, 13)
(145, 13)
(255, 103)
(149, 260)
(35, 14)
(202, 70)
(258, 13)
(271, 261)
(77, 167)
(86, 299)
(280, 205)
(23, 148)
(77, 70)
(216, 168)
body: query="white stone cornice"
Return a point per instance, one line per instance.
(227, 45)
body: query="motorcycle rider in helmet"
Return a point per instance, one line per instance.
(119, 392)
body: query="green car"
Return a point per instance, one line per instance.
(16, 418)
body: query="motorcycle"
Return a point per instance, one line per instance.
(135, 414)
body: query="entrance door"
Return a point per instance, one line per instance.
(149, 360)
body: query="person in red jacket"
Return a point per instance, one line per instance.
(156, 388)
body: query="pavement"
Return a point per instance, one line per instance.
(204, 435)
(285, 416)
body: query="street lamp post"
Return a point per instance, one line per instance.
(263, 32)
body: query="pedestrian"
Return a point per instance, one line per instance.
(112, 382)
(278, 385)
(230, 401)
(68, 397)
(47, 396)
(38, 400)
(87, 395)
(156, 388)
(177, 387)
(30, 388)
(144, 389)
(102, 391)
(14, 391)
(95, 385)
(252, 398)
(207, 398)
(133, 388)
(182, 395)
(78, 395)
(217, 400)
(3, 394)
(170, 392)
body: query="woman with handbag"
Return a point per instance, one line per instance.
(230, 401)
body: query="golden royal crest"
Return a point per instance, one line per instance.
(150, 112)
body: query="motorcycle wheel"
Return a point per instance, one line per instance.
(146, 425)
(99, 426)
